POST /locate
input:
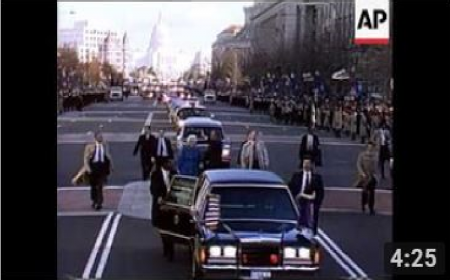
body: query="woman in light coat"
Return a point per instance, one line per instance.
(254, 153)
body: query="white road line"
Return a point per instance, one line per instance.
(86, 188)
(350, 211)
(98, 243)
(344, 256)
(107, 249)
(349, 189)
(148, 121)
(82, 213)
(337, 258)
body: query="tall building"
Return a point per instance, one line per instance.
(230, 52)
(201, 64)
(314, 35)
(91, 43)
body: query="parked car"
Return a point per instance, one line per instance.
(238, 224)
(116, 93)
(209, 97)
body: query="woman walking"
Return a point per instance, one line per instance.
(189, 158)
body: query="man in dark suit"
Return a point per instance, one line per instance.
(310, 147)
(162, 149)
(146, 144)
(213, 154)
(159, 186)
(308, 190)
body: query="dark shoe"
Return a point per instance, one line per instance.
(98, 207)
(372, 212)
(93, 205)
(363, 209)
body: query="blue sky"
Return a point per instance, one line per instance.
(193, 25)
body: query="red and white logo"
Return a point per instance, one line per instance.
(372, 22)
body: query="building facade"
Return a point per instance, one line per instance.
(305, 36)
(231, 53)
(91, 43)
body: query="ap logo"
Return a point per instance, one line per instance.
(372, 22)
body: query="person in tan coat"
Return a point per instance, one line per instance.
(97, 163)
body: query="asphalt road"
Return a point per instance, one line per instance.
(131, 248)
(128, 117)
(121, 247)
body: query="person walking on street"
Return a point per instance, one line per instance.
(306, 187)
(310, 148)
(366, 166)
(383, 139)
(189, 158)
(97, 162)
(254, 153)
(146, 145)
(163, 149)
(272, 111)
(363, 127)
(159, 187)
(213, 155)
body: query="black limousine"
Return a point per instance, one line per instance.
(238, 224)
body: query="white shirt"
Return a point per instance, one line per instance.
(162, 149)
(383, 137)
(166, 178)
(306, 180)
(99, 153)
(309, 142)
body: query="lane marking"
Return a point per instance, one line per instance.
(337, 258)
(344, 256)
(351, 189)
(98, 243)
(107, 248)
(83, 213)
(87, 188)
(148, 121)
(350, 211)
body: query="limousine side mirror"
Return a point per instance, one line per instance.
(212, 213)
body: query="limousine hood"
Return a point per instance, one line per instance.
(265, 233)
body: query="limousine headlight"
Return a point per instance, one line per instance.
(292, 253)
(215, 251)
(229, 252)
(289, 253)
(226, 251)
(304, 253)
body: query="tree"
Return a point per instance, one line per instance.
(67, 58)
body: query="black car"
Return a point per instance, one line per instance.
(238, 224)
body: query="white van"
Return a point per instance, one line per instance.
(116, 93)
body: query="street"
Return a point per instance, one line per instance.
(119, 241)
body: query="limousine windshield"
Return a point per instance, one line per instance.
(255, 203)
